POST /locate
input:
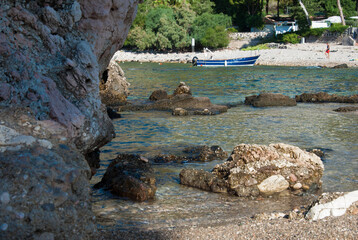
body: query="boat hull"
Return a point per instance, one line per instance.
(236, 62)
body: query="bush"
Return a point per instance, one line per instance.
(203, 24)
(291, 38)
(337, 27)
(140, 38)
(215, 37)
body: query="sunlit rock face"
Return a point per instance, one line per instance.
(51, 56)
(254, 170)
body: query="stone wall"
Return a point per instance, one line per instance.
(249, 36)
(51, 56)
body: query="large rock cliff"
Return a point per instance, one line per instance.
(52, 54)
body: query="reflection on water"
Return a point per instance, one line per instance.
(150, 133)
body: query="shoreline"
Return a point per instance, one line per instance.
(307, 54)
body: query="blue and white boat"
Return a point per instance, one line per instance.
(245, 61)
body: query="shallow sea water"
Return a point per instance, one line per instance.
(150, 133)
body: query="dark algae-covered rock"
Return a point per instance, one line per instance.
(202, 153)
(322, 97)
(129, 176)
(269, 100)
(254, 170)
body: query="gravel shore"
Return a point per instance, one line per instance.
(344, 227)
(307, 54)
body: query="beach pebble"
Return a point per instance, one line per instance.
(5, 198)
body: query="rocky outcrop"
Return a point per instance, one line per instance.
(129, 176)
(322, 97)
(114, 87)
(182, 100)
(158, 95)
(44, 182)
(254, 170)
(270, 100)
(51, 56)
(202, 153)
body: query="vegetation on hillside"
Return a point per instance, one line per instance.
(170, 25)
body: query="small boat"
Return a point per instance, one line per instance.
(245, 61)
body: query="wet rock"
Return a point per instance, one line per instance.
(196, 153)
(344, 65)
(180, 112)
(270, 99)
(112, 114)
(158, 95)
(114, 86)
(182, 89)
(346, 109)
(322, 97)
(129, 176)
(254, 170)
(332, 205)
(207, 181)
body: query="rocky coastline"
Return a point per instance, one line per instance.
(56, 80)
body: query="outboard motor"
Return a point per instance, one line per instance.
(194, 61)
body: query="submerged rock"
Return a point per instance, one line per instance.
(270, 99)
(322, 97)
(346, 109)
(254, 170)
(129, 176)
(196, 153)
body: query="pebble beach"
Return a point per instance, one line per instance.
(306, 54)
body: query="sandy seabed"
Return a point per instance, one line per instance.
(307, 54)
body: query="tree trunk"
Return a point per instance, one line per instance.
(341, 12)
(267, 6)
(305, 11)
(278, 9)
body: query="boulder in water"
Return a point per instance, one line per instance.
(254, 170)
(269, 100)
(129, 176)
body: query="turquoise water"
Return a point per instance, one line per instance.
(305, 126)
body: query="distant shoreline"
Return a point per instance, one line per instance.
(307, 54)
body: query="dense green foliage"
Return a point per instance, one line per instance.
(291, 38)
(170, 25)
